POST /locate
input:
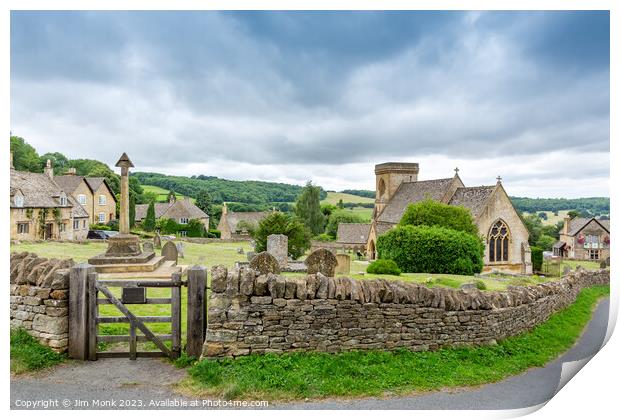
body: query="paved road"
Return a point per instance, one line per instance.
(149, 383)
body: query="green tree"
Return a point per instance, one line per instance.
(433, 213)
(340, 204)
(204, 201)
(25, 157)
(340, 217)
(308, 208)
(542, 215)
(281, 223)
(195, 229)
(545, 242)
(327, 209)
(574, 213)
(59, 162)
(132, 210)
(102, 171)
(534, 227)
(149, 222)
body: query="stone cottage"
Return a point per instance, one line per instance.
(583, 238)
(41, 209)
(92, 193)
(504, 234)
(181, 211)
(234, 225)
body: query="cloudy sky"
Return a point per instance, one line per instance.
(293, 96)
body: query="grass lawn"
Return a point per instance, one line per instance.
(374, 373)
(28, 355)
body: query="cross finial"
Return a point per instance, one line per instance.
(499, 179)
(456, 170)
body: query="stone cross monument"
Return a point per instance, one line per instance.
(124, 163)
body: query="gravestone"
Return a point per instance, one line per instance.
(169, 252)
(265, 263)
(277, 245)
(603, 264)
(322, 261)
(344, 264)
(565, 270)
(250, 255)
(147, 246)
(157, 241)
(240, 251)
(181, 249)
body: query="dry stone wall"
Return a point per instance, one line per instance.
(40, 298)
(250, 313)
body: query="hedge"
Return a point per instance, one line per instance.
(423, 249)
(537, 258)
(433, 213)
(383, 267)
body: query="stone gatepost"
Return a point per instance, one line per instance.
(277, 245)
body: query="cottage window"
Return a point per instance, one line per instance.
(62, 227)
(499, 240)
(76, 224)
(63, 200)
(19, 201)
(183, 220)
(594, 254)
(102, 200)
(83, 224)
(102, 217)
(183, 233)
(81, 199)
(23, 228)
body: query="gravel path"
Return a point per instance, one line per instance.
(147, 383)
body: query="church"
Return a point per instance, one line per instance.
(504, 234)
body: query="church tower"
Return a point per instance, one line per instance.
(388, 177)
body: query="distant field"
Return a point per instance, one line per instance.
(551, 218)
(334, 197)
(162, 193)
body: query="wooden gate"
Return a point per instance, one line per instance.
(88, 292)
(134, 292)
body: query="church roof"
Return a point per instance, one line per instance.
(472, 198)
(410, 193)
(353, 233)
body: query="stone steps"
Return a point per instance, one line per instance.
(148, 266)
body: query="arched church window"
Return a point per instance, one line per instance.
(499, 239)
(381, 187)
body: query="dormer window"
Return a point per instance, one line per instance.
(183, 220)
(19, 201)
(63, 200)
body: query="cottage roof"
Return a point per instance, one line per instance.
(38, 189)
(178, 209)
(472, 198)
(252, 217)
(353, 233)
(78, 211)
(578, 223)
(559, 244)
(94, 182)
(413, 192)
(68, 183)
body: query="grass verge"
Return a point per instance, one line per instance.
(28, 355)
(374, 373)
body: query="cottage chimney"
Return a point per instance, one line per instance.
(49, 171)
(12, 167)
(71, 171)
(225, 209)
(566, 223)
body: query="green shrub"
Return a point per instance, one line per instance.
(433, 213)
(324, 237)
(195, 228)
(149, 223)
(214, 233)
(99, 227)
(480, 285)
(383, 267)
(423, 249)
(537, 258)
(113, 224)
(281, 223)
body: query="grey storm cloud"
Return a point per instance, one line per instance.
(311, 88)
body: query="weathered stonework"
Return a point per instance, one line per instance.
(344, 264)
(322, 261)
(40, 298)
(277, 245)
(251, 313)
(265, 263)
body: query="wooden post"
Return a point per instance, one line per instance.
(196, 310)
(93, 313)
(133, 341)
(175, 309)
(78, 310)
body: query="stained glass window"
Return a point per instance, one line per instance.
(499, 242)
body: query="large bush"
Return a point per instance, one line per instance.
(281, 223)
(338, 217)
(424, 249)
(537, 258)
(433, 213)
(383, 267)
